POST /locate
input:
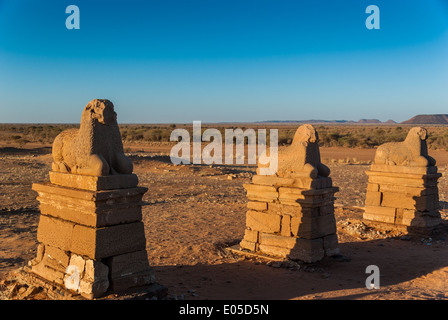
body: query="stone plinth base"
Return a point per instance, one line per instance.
(92, 241)
(59, 292)
(291, 218)
(403, 198)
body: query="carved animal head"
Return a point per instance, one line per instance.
(419, 132)
(100, 111)
(305, 133)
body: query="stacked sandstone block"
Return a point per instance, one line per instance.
(292, 215)
(406, 198)
(291, 218)
(402, 191)
(90, 232)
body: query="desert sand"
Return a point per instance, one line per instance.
(193, 212)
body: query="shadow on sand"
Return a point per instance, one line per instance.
(398, 261)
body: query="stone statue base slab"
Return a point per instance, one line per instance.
(93, 183)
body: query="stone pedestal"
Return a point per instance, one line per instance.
(403, 198)
(92, 240)
(291, 218)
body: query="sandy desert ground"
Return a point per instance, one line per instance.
(192, 213)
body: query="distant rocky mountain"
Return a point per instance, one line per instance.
(428, 119)
(367, 121)
(307, 121)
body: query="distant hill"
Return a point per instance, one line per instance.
(428, 119)
(369, 121)
(308, 121)
(328, 121)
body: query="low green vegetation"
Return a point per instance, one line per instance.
(351, 136)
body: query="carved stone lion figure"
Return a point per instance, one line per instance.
(96, 147)
(302, 157)
(413, 151)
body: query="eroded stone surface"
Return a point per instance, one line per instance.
(302, 157)
(291, 213)
(95, 148)
(402, 190)
(413, 151)
(91, 236)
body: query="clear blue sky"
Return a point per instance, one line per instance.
(223, 60)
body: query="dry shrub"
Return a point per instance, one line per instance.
(351, 136)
